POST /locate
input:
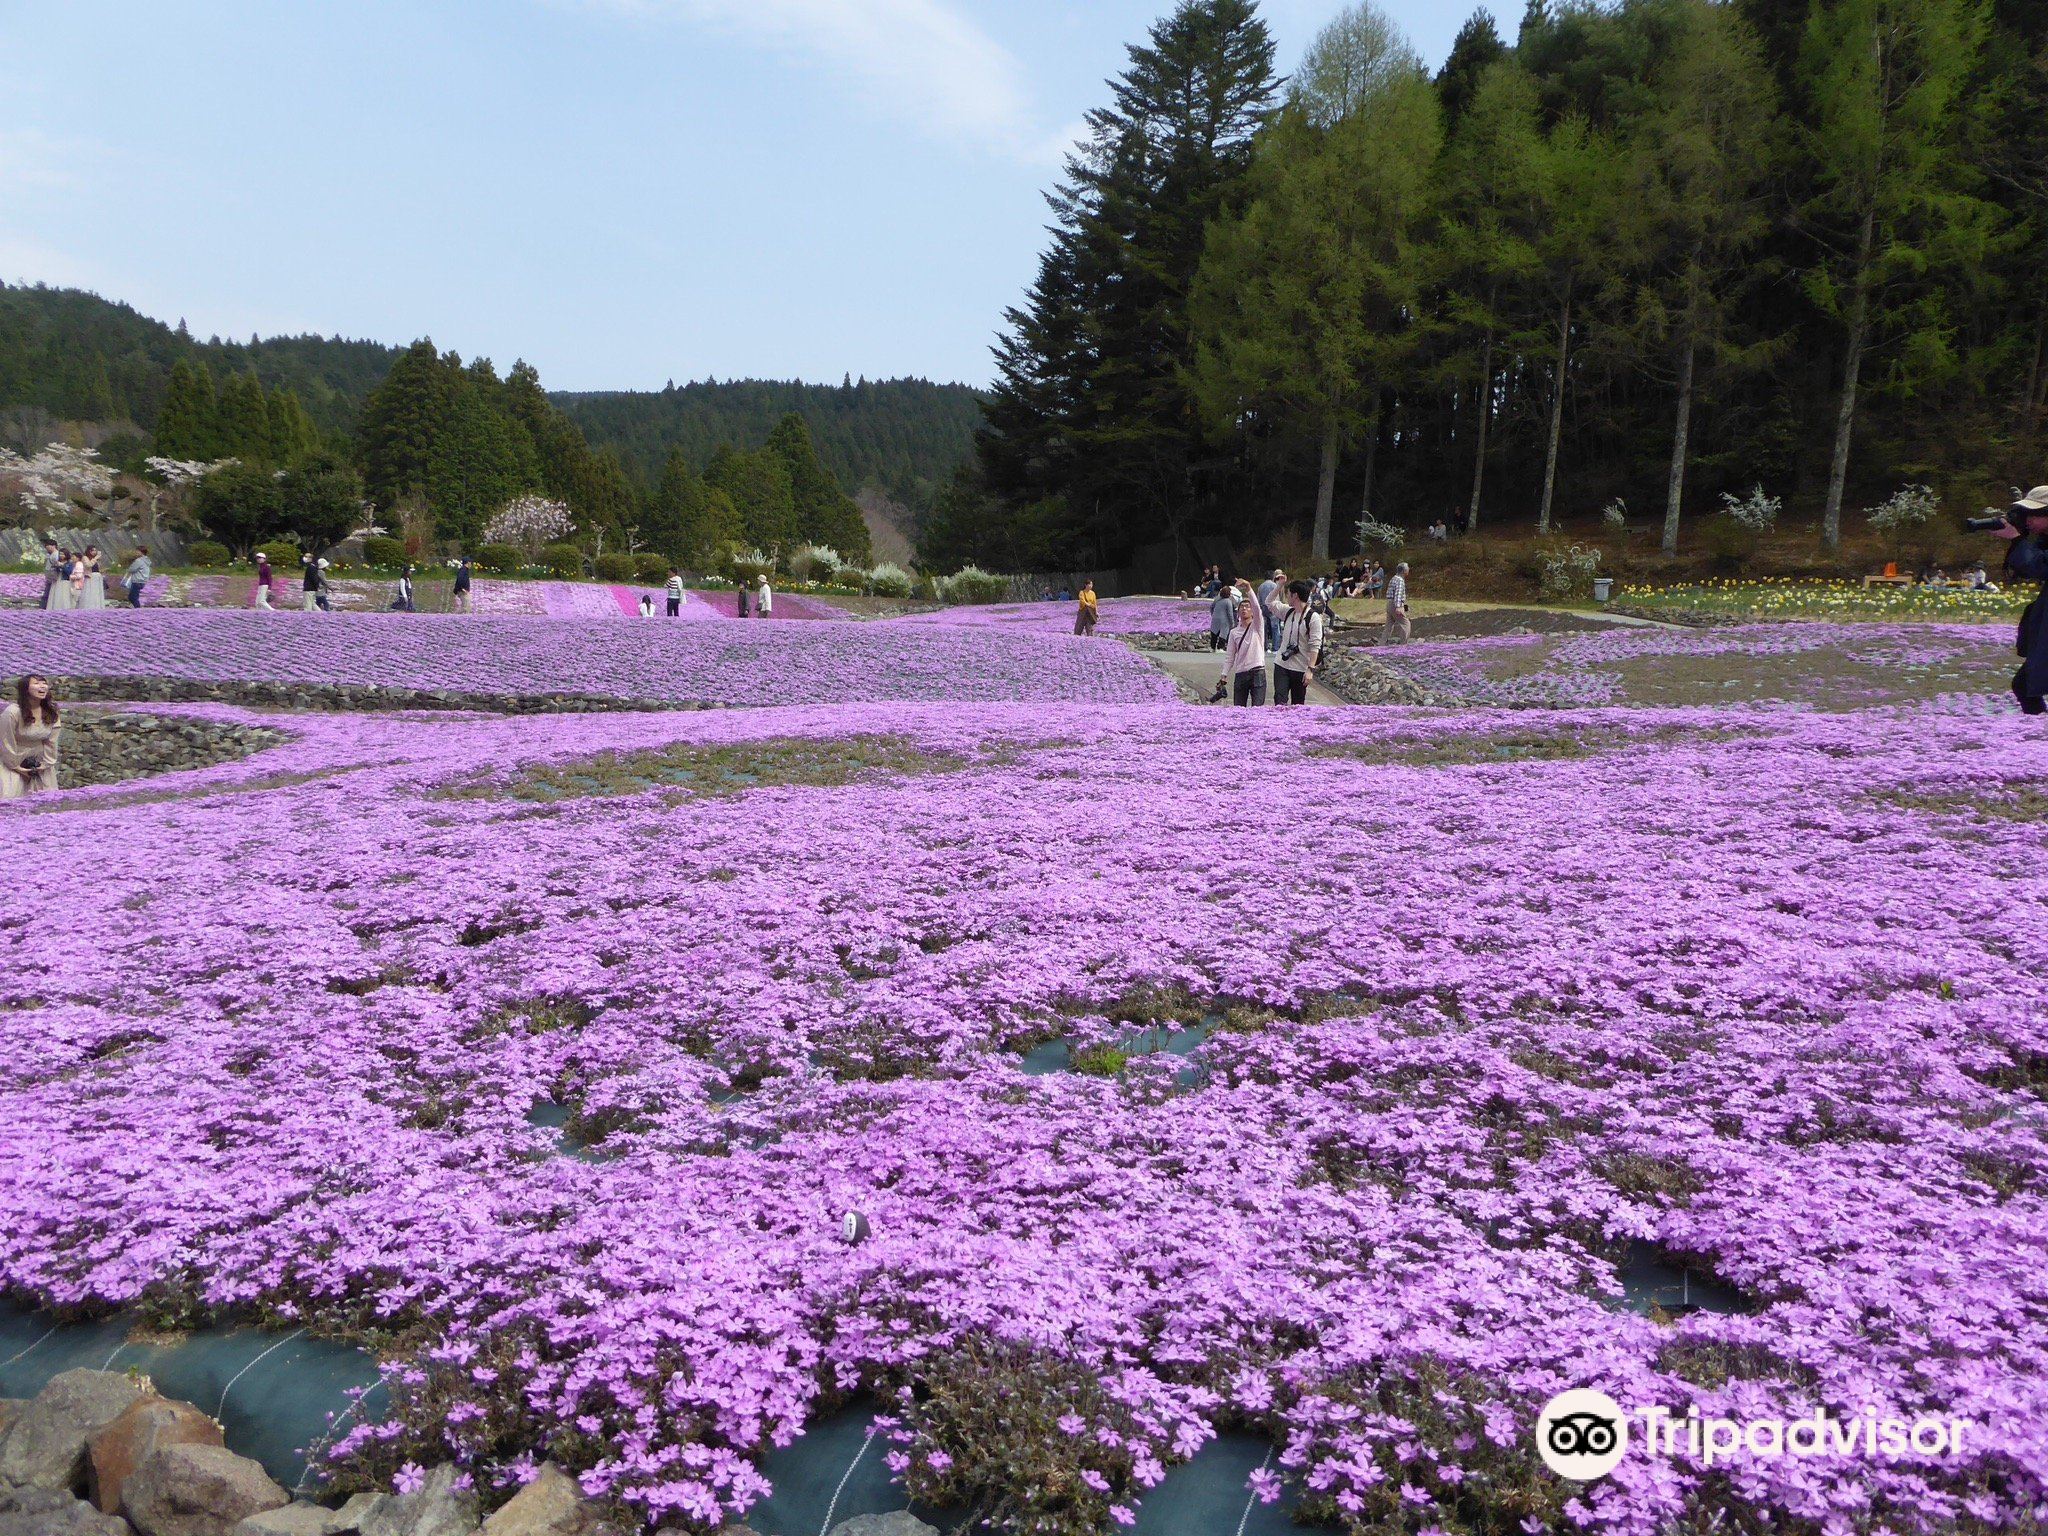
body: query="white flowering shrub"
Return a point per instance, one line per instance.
(529, 522)
(1615, 513)
(1907, 507)
(1374, 534)
(1568, 572)
(1756, 511)
(57, 479)
(814, 562)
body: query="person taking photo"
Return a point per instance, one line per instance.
(2026, 559)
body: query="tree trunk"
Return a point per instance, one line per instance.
(1372, 456)
(1675, 495)
(1564, 354)
(1852, 370)
(1326, 490)
(1485, 402)
(2034, 372)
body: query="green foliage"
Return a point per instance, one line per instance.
(901, 436)
(82, 357)
(887, 580)
(970, 584)
(564, 560)
(239, 505)
(1302, 307)
(823, 513)
(281, 553)
(758, 485)
(502, 559)
(386, 554)
(320, 501)
(620, 568)
(207, 553)
(688, 520)
(1091, 403)
(651, 568)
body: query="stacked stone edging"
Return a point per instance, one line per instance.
(108, 747)
(353, 697)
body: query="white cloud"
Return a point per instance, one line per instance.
(920, 60)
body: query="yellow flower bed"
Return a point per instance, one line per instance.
(1806, 598)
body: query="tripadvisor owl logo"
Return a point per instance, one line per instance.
(1582, 1434)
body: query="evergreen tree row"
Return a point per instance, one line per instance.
(457, 442)
(901, 436)
(1654, 250)
(84, 358)
(454, 442)
(238, 419)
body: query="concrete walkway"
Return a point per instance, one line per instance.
(1202, 668)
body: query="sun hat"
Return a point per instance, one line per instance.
(321, 563)
(2035, 500)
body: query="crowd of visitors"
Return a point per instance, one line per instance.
(1284, 622)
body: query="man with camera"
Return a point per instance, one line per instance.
(2025, 523)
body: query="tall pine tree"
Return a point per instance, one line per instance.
(1092, 404)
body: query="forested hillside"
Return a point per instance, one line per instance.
(902, 436)
(80, 357)
(84, 358)
(1648, 252)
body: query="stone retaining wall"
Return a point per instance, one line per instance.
(256, 695)
(107, 747)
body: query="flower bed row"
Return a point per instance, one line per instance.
(1115, 616)
(656, 661)
(1747, 988)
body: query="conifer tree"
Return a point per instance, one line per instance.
(402, 420)
(1897, 211)
(825, 514)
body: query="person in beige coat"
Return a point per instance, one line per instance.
(28, 740)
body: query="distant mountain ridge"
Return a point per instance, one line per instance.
(85, 358)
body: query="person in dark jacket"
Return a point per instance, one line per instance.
(2027, 560)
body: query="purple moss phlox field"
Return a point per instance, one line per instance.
(1755, 987)
(1580, 668)
(654, 660)
(1115, 616)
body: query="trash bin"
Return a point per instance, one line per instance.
(1603, 586)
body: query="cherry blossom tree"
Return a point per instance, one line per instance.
(529, 522)
(57, 479)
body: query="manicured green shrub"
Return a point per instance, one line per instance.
(280, 554)
(650, 567)
(502, 558)
(616, 567)
(971, 584)
(887, 580)
(385, 554)
(206, 552)
(563, 559)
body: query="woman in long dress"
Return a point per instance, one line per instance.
(28, 740)
(95, 593)
(64, 595)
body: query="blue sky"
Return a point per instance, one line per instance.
(622, 191)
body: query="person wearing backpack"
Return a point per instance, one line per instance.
(1301, 646)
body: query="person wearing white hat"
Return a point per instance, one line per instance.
(2026, 559)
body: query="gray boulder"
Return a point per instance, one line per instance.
(43, 1445)
(292, 1520)
(550, 1505)
(197, 1490)
(52, 1512)
(438, 1509)
(902, 1523)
